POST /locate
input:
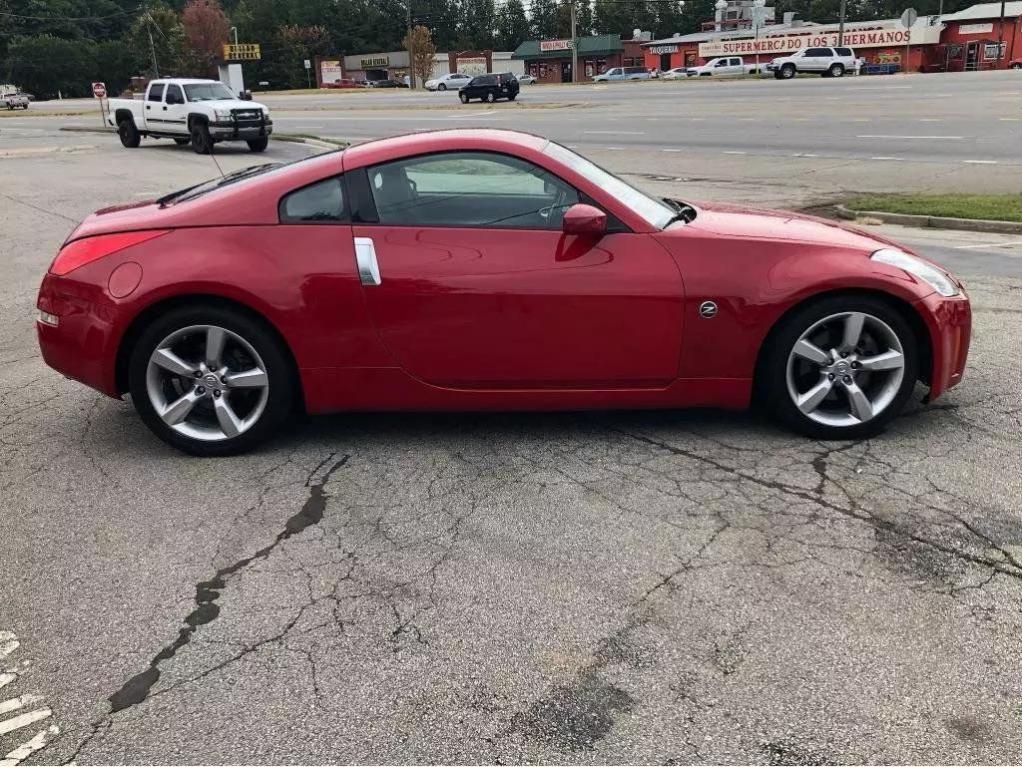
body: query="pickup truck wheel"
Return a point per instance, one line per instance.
(128, 134)
(836, 70)
(258, 144)
(181, 141)
(787, 71)
(202, 142)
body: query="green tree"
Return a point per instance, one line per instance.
(544, 19)
(162, 26)
(478, 23)
(49, 66)
(512, 25)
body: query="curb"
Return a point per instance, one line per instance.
(277, 136)
(935, 222)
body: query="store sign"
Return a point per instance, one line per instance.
(330, 71)
(374, 61)
(555, 45)
(975, 29)
(660, 50)
(242, 52)
(890, 34)
(472, 65)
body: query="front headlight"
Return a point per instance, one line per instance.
(266, 111)
(938, 279)
(222, 114)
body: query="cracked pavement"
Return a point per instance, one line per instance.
(654, 587)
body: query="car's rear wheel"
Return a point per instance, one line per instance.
(202, 142)
(1013, 66)
(210, 380)
(837, 70)
(258, 144)
(841, 367)
(463, 97)
(128, 134)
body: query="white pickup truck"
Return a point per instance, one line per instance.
(723, 67)
(200, 112)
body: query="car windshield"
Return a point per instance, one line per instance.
(657, 212)
(208, 92)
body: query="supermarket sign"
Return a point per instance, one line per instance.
(890, 34)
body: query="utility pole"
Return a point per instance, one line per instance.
(574, 40)
(152, 46)
(411, 45)
(1000, 36)
(841, 26)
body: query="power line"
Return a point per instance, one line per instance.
(70, 18)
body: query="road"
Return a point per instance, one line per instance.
(670, 588)
(954, 132)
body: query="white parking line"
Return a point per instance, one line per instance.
(17, 705)
(726, 151)
(804, 154)
(885, 158)
(913, 138)
(672, 150)
(14, 704)
(29, 747)
(980, 162)
(10, 725)
(985, 245)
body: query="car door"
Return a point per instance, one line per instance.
(471, 283)
(154, 107)
(175, 110)
(815, 60)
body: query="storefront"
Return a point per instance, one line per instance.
(977, 39)
(883, 41)
(393, 65)
(549, 61)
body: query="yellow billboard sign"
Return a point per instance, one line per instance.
(242, 52)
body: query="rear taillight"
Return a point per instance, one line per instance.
(84, 251)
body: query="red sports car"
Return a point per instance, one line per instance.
(485, 270)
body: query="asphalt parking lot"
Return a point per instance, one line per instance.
(659, 587)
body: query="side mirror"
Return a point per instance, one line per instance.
(245, 95)
(584, 219)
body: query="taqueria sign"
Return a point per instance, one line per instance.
(874, 36)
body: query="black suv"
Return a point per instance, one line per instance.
(490, 88)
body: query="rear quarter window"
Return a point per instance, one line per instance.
(320, 203)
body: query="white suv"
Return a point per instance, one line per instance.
(829, 62)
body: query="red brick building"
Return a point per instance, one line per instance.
(971, 39)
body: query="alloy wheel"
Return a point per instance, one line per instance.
(207, 382)
(845, 369)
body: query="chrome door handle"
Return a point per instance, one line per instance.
(365, 259)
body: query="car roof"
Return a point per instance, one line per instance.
(491, 139)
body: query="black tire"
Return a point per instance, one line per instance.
(258, 144)
(280, 397)
(463, 97)
(787, 71)
(772, 383)
(442, 87)
(836, 70)
(512, 97)
(777, 75)
(202, 142)
(182, 141)
(128, 133)
(489, 97)
(1013, 66)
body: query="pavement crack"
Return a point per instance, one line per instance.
(137, 689)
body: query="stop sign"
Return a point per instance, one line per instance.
(99, 90)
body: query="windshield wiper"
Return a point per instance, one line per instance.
(229, 178)
(684, 212)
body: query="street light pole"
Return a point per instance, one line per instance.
(1000, 37)
(411, 45)
(841, 25)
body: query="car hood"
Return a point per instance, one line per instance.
(232, 104)
(784, 226)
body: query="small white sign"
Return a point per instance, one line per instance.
(975, 29)
(555, 45)
(308, 64)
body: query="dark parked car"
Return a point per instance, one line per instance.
(490, 88)
(384, 84)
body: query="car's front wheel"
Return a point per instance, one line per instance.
(202, 142)
(787, 71)
(463, 97)
(841, 367)
(258, 144)
(210, 380)
(441, 87)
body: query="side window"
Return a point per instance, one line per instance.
(174, 95)
(735, 62)
(469, 189)
(155, 92)
(321, 202)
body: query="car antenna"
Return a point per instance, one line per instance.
(217, 164)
